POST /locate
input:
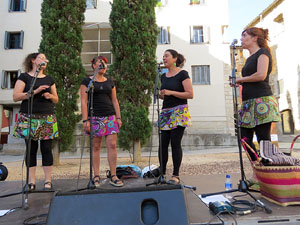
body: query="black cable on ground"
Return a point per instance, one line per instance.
(80, 162)
(22, 192)
(250, 207)
(11, 194)
(38, 220)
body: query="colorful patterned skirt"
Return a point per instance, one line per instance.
(103, 126)
(258, 111)
(179, 115)
(43, 127)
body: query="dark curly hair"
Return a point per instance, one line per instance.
(28, 61)
(180, 58)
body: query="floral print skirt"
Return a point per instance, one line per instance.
(258, 111)
(43, 127)
(179, 115)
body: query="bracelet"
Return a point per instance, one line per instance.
(118, 118)
(84, 121)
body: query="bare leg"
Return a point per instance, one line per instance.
(48, 174)
(32, 172)
(96, 155)
(111, 144)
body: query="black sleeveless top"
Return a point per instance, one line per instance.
(256, 89)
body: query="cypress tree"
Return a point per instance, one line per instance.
(61, 42)
(134, 40)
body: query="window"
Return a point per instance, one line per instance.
(17, 5)
(164, 35)
(199, 34)
(95, 42)
(161, 3)
(91, 4)
(14, 40)
(201, 74)
(9, 79)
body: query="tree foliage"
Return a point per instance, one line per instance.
(134, 40)
(62, 42)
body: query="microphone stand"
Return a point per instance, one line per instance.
(90, 91)
(30, 95)
(161, 178)
(242, 187)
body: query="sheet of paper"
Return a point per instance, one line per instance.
(3, 212)
(213, 198)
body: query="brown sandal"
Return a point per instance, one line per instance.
(117, 182)
(96, 180)
(48, 186)
(174, 180)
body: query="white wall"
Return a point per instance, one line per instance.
(286, 42)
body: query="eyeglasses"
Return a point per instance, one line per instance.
(43, 58)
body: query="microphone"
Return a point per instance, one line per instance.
(160, 63)
(101, 65)
(190, 187)
(42, 64)
(234, 42)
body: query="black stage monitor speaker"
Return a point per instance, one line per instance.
(155, 205)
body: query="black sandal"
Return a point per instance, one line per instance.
(96, 180)
(173, 181)
(117, 182)
(31, 187)
(46, 188)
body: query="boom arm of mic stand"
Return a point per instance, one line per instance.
(91, 82)
(101, 66)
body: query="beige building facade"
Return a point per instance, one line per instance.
(281, 18)
(196, 29)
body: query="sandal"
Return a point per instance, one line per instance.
(31, 187)
(96, 181)
(117, 182)
(48, 186)
(174, 180)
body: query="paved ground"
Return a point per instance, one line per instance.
(210, 161)
(204, 169)
(213, 161)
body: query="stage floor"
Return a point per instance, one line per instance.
(198, 212)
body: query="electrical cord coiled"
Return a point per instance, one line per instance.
(249, 207)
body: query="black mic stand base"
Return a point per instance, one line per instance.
(241, 188)
(158, 180)
(91, 185)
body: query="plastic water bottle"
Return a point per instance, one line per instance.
(228, 185)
